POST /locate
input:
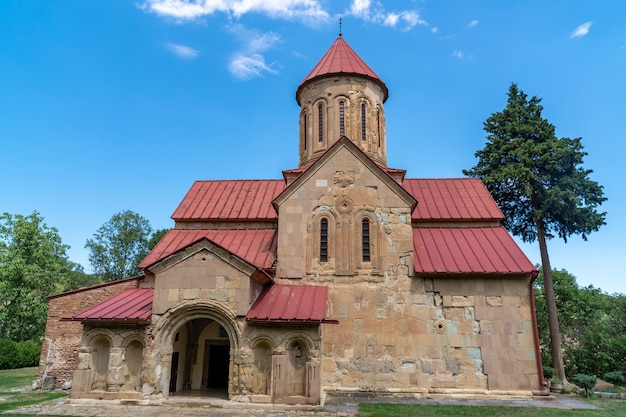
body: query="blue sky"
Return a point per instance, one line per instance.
(121, 104)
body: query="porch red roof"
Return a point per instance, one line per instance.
(468, 250)
(225, 200)
(341, 58)
(451, 199)
(131, 306)
(290, 304)
(255, 246)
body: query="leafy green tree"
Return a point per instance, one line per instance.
(116, 245)
(154, 239)
(78, 278)
(540, 185)
(32, 261)
(586, 316)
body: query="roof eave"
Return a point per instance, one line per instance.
(334, 74)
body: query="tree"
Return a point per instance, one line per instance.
(33, 261)
(116, 245)
(152, 242)
(586, 316)
(540, 185)
(77, 278)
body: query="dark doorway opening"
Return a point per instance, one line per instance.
(174, 372)
(219, 358)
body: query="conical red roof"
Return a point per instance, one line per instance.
(341, 59)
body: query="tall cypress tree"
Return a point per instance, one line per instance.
(540, 185)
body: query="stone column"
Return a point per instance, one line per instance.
(115, 372)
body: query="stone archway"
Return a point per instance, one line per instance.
(189, 339)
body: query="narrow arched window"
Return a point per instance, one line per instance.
(324, 240)
(362, 121)
(306, 131)
(320, 113)
(378, 120)
(342, 130)
(365, 239)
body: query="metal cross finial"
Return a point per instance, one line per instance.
(339, 26)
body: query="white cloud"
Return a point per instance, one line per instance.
(182, 51)
(246, 67)
(581, 30)
(435, 29)
(249, 62)
(457, 54)
(360, 8)
(473, 23)
(305, 10)
(376, 13)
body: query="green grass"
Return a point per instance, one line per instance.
(611, 408)
(15, 400)
(14, 378)
(17, 378)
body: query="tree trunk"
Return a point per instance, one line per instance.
(553, 320)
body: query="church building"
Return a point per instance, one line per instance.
(342, 279)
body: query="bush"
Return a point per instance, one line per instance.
(615, 378)
(28, 353)
(8, 352)
(548, 372)
(585, 381)
(15, 355)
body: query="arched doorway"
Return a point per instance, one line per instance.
(200, 359)
(182, 335)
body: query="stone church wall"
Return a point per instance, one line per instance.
(61, 345)
(417, 336)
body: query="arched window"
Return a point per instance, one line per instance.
(365, 239)
(320, 113)
(362, 121)
(306, 131)
(341, 119)
(378, 120)
(324, 240)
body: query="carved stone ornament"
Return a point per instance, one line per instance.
(345, 205)
(344, 179)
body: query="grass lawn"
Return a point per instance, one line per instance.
(612, 408)
(16, 378)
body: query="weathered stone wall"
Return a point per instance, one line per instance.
(414, 336)
(206, 272)
(62, 340)
(345, 191)
(500, 308)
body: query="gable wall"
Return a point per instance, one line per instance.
(342, 178)
(203, 275)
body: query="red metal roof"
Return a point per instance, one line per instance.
(255, 246)
(341, 58)
(451, 199)
(131, 306)
(229, 200)
(475, 250)
(290, 304)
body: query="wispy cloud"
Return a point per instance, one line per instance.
(304, 10)
(462, 55)
(581, 30)
(249, 62)
(375, 12)
(182, 51)
(473, 23)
